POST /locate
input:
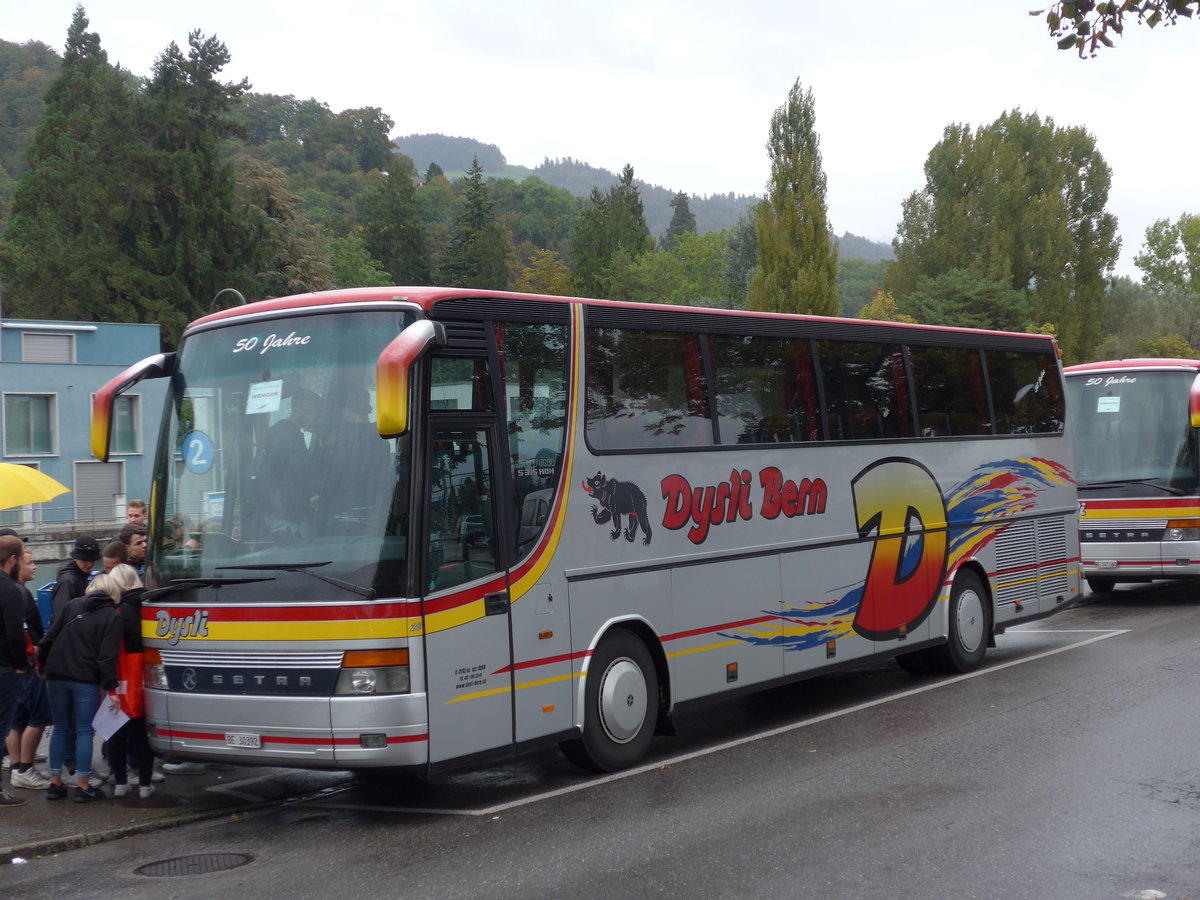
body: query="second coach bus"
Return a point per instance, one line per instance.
(414, 527)
(1136, 430)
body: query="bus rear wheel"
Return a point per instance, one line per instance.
(970, 625)
(1102, 585)
(620, 705)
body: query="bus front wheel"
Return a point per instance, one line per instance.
(969, 625)
(620, 705)
(1102, 585)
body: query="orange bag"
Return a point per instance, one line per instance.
(129, 671)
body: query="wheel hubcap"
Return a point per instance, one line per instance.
(623, 702)
(971, 619)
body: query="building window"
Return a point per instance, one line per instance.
(29, 424)
(37, 347)
(126, 435)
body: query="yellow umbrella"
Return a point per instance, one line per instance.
(22, 485)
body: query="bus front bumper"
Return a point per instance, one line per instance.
(386, 731)
(1131, 561)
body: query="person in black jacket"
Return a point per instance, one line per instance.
(72, 579)
(78, 658)
(14, 658)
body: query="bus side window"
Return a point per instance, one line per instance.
(645, 390)
(949, 391)
(764, 389)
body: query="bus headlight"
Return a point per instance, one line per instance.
(1182, 530)
(374, 672)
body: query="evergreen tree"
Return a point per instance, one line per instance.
(682, 221)
(64, 251)
(797, 258)
(481, 252)
(194, 237)
(391, 226)
(1019, 202)
(609, 224)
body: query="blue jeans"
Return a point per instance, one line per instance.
(67, 697)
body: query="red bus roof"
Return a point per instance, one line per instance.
(427, 297)
(1141, 363)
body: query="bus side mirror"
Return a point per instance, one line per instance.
(393, 374)
(161, 365)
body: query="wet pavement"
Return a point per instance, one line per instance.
(43, 827)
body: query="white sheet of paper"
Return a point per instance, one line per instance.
(106, 721)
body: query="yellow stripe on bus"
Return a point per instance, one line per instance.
(294, 631)
(478, 695)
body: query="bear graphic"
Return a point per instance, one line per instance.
(615, 499)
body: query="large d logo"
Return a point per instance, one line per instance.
(898, 501)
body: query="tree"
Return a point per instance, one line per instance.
(1018, 202)
(481, 252)
(193, 237)
(547, 274)
(963, 299)
(1082, 24)
(64, 251)
(351, 265)
(682, 221)
(610, 223)
(883, 308)
(741, 249)
(391, 226)
(796, 269)
(296, 255)
(1170, 257)
(858, 280)
(434, 171)
(687, 274)
(353, 140)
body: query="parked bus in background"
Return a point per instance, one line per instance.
(1134, 426)
(435, 525)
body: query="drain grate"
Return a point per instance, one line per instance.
(196, 864)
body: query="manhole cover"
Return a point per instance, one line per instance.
(196, 864)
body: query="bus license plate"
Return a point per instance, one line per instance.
(244, 741)
(1106, 564)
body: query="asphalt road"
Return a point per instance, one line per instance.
(1069, 767)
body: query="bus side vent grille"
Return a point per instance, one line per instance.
(466, 336)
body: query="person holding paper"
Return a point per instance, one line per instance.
(78, 659)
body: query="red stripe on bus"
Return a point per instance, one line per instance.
(219, 613)
(709, 629)
(294, 741)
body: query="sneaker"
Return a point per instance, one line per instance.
(90, 795)
(145, 792)
(183, 768)
(56, 791)
(96, 779)
(31, 779)
(7, 799)
(120, 790)
(157, 776)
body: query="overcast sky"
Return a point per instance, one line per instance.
(684, 89)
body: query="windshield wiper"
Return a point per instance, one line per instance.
(1151, 482)
(303, 569)
(183, 584)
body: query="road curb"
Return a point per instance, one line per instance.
(51, 846)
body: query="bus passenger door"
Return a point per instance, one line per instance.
(468, 643)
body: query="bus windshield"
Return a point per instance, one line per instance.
(271, 468)
(1132, 429)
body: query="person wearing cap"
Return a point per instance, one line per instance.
(73, 575)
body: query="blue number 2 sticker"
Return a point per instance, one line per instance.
(197, 452)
